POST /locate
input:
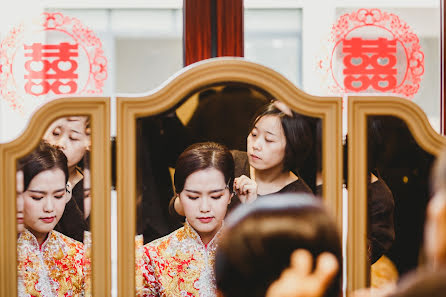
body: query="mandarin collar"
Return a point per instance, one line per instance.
(193, 234)
(27, 236)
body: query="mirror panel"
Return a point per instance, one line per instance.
(390, 167)
(53, 210)
(224, 79)
(398, 190)
(44, 200)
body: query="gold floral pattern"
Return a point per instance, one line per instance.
(139, 249)
(87, 263)
(54, 269)
(178, 264)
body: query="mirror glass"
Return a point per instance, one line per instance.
(53, 211)
(398, 190)
(279, 142)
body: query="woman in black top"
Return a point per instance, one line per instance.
(278, 143)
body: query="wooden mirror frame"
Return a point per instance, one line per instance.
(190, 79)
(359, 108)
(98, 109)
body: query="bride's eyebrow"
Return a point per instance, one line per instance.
(218, 190)
(43, 192)
(210, 192)
(37, 191)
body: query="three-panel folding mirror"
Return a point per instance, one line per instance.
(213, 100)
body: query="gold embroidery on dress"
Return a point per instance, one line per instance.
(55, 269)
(179, 264)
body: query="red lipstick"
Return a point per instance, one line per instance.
(48, 220)
(206, 220)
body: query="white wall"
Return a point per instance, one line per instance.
(125, 45)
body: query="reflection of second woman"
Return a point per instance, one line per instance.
(277, 145)
(71, 136)
(181, 263)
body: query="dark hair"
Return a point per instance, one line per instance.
(376, 126)
(43, 157)
(86, 160)
(201, 156)
(259, 239)
(298, 134)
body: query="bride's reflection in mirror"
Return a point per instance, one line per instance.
(181, 263)
(49, 263)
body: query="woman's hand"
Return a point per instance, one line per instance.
(283, 108)
(299, 280)
(245, 188)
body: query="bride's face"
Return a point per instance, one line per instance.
(205, 200)
(44, 202)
